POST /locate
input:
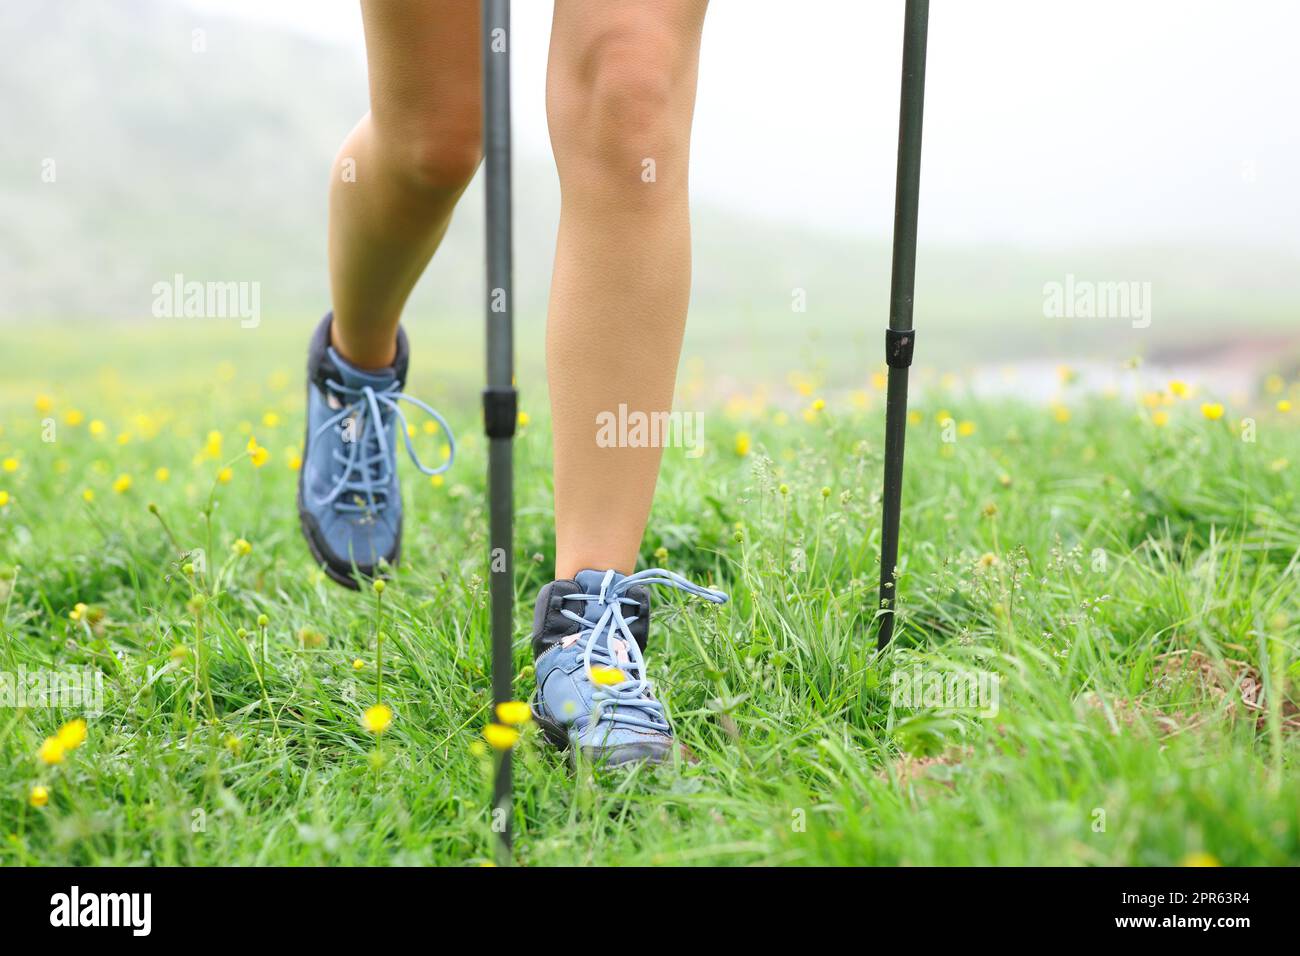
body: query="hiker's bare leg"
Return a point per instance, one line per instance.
(400, 171)
(620, 96)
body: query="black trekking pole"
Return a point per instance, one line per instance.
(899, 337)
(500, 401)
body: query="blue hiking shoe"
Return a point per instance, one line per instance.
(349, 499)
(593, 695)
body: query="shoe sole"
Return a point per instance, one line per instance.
(558, 736)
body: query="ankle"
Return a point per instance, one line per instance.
(374, 349)
(567, 570)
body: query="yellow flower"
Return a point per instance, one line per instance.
(212, 447)
(358, 665)
(256, 453)
(376, 719)
(1200, 858)
(294, 460)
(73, 418)
(437, 481)
(78, 610)
(477, 748)
(1274, 383)
(500, 736)
(1212, 410)
(607, 676)
(39, 796)
(988, 559)
(10, 464)
(122, 484)
(378, 585)
(234, 745)
(524, 419)
(162, 474)
(966, 429)
(1061, 413)
(88, 495)
(4, 499)
(1152, 399)
(97, 427)
(225, 474)
(661, 553)
(44, 403)
(123, 438)
(513, 712)
(1066, 374)
(942, 416)
(879, 381)
(1179, 389)
(742, 444)
(271, 420)
(430, 427)
(72, 734)
(818, 404)
(1160, 418)
(445, 451)
(146, 425)
(179, 652)
(1283, 405)
(914, 417)
(241, 547)
(51, 751)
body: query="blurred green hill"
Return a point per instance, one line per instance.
(213, 164)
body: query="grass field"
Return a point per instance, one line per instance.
(1122, 573)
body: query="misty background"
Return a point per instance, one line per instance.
(1115, 142)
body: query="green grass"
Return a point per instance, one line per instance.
(1131, 587)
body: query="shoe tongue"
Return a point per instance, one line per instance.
(353, 377)
(589, 582)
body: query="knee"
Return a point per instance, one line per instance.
(631, 99)
(435, 152)
(621, 106)
(441, 164)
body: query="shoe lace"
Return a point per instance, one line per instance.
(367, 467)
(630, 701)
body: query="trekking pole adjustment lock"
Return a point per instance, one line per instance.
(500, 412)
(898, 347)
